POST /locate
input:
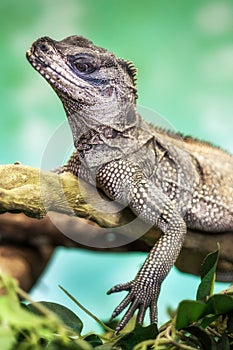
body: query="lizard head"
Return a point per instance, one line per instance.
(88, 79)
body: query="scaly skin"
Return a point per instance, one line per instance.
(168, 181)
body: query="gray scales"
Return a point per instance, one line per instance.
(169, 181)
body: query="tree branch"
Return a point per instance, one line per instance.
(78, 210)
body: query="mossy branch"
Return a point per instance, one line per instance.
(35, 193)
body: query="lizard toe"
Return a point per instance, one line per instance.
(153, 312)
(141, 296)
(127, 317)
(141, 313)
(120, 287)
(125, 302)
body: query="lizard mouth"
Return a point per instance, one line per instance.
(50, 73)
(34, 59)
(53, 73)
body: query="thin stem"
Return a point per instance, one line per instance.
(86, 311)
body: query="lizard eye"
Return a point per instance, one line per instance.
(84, 67)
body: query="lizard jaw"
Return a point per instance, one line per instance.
(40, 66)
(49, 71)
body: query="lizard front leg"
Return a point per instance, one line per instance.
(72, 166)
(124, 181)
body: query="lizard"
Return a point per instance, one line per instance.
(170, 182)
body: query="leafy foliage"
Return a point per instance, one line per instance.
(208, 276)
(205, 323)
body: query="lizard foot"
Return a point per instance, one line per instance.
(142, 295)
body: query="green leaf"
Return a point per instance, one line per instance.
(224, 343)
(207, 320)
(230, 323)
(208, 270)
(7, 338)
(107, 346)
(189, 311)
(25, 345)
(13, 314)
(139, 334)
(219, 304)
(67, 316)
(94, 340)
(204, 339)
(79, 344)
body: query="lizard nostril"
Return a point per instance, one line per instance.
(44, 47)
(44, 44)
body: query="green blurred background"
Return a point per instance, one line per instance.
(184, 53)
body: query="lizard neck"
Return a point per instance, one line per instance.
(99, 141)
(92, 125)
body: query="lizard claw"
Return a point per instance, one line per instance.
(141, 296)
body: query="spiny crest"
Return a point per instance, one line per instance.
(129, 67)
(80, 41)
(77, 41)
